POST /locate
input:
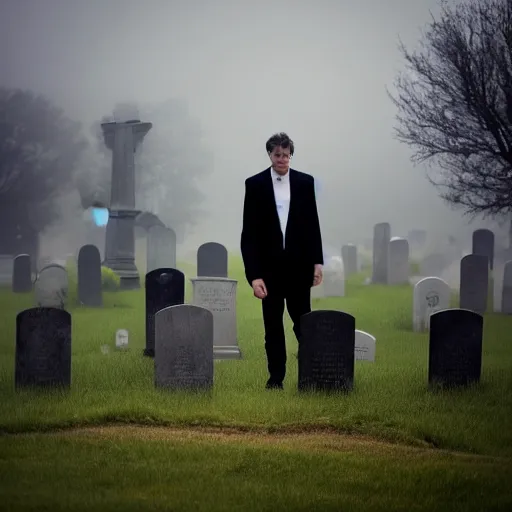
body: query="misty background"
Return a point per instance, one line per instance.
(217, 79)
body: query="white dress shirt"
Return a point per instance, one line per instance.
(282, 195)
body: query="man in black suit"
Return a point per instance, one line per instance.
(281, 247)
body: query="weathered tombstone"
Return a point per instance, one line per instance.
(184, 348)
(51, 287)
(218, 295)
(381, 237)
(89, 276)
(433, 264)
(326, 351)
(431, 294)
(364, 349)
(22, 274)
(333, 283)
(474, 283)
(506, 300)
(212, 260)
(483, 244)
(121, 339)
(43, 348)
(398, 271)
(349, 256)
(455, 349)
(164, 287)
(161, 248)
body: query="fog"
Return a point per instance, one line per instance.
(317, 70)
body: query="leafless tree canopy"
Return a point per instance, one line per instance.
(454, 103)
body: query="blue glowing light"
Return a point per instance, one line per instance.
(100, 216)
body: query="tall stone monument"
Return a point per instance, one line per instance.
(122, 136)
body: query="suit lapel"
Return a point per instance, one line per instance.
(294, 191)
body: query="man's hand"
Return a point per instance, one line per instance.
(318, 275)
(260, 290)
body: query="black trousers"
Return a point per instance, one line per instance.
(298, 303)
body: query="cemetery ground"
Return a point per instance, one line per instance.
(115, 442)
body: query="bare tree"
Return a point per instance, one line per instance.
(454, 103)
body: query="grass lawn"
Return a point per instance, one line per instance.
(389, 445)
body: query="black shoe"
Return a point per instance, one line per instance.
(273, 384)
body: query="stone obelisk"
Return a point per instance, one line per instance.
(122, 138)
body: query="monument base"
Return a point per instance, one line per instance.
(226, 352)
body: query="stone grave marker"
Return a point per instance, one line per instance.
(161, 248)
(381, 238)
(89, 276)
(364, 349)
(164, 287)
(327, 351)
(430, 294)
(398, 271)
(22, 274)
(474, 283)
(483, 244)
(212, 260)
(455, 349)
(51, 287)
(506, 300)
(122, 339)
(218, 295)
(349, 257)
(184, 348)
(43, 348)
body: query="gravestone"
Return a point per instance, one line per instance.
(43, 348)
(364, 349)
(430, 294)
(22, 274)
(121, 339)
(483, 244)
(89, 276)
(164, 287)
(184, 348)
(455, 349)
(349, 256)
(506, 294)
(381, 238)
(326, 351)
(212, 260)
(398, 271)
(161, 248)
(218, 295)
(51, 287)
(474, 283)
(333, 282)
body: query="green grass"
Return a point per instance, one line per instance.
(390, 403)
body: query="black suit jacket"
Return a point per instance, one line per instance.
(262, 238)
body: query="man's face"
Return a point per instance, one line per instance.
(280, 158)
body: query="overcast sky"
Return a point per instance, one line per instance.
(315, 69)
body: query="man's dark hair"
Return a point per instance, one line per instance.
(280, 139)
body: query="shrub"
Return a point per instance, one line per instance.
(110, 281)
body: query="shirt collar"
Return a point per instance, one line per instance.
(275, 176)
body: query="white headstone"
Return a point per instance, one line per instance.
(121, 339)
(430, 294)
(218, 295)
(364, 349)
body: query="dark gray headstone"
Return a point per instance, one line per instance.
(455, 350)
(326, 351)
(506, 301)
(349, 257)
(22, 274)
(164, 287)
(483, 244)
(184, 348)
(89, 276)
(474, 283)
(43, 348)
(212, 260)
(381, 238)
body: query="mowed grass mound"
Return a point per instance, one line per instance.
(390, 401)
